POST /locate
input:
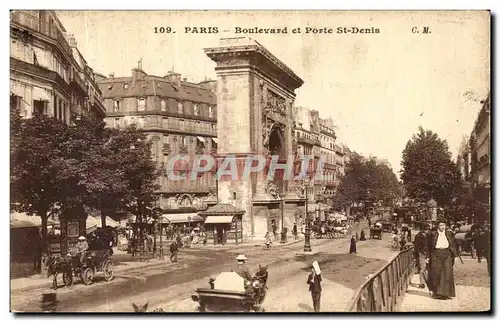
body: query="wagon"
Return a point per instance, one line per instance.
(376, 231)
(231, 293)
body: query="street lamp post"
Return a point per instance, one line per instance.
(283, 230)
(307, 234)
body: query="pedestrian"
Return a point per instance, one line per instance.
(174, 250)
(442, 250)
(314, 281)
(362, 236)
(274, 229)
(268, 241)
(421, 253)
(241, 269)
(295, 231)
(352, 248)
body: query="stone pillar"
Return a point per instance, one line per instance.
(255, 93)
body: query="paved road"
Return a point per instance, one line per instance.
(174, 282)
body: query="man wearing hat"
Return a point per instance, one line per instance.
(241, 268)
(421, 252)
(81, 247)
(442, 250)
(314, 280)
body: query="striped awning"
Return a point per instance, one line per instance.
(182, 218)
(219, 220)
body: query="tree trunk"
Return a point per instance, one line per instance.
(103, 218)
(45, 242)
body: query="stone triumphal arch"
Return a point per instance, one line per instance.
(255, 99)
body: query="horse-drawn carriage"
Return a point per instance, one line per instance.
(229, 292)
(331, 230)
(376, 231)
(96, 261)
(386, 226)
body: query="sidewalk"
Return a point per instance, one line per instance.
(35, 282)
(468, 298)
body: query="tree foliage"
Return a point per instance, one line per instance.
(428, 171)
(366, 180)
(81, 166)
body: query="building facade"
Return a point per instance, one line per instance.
(179, 116)
(316, 137)
(480, 164)
(45, 77)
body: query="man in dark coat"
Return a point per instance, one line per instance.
(314, 281)
(482, 243)
(174, 250)
(442, 250)
(421, 252)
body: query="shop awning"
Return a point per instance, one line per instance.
(21, 220)
(181, 218)
(219, 220)
(201, 139)
(215, 140)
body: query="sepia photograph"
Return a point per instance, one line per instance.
(250, 161)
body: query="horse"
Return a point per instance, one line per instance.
(144, 308)
(57, 265)
(140, 308)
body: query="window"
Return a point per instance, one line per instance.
(140, 122)
(181, 123)
(210, 111)
(184, 141)
(180, 108)
(116, 105)
(141, 104)
(234, 195)
(163, 105)
(125, 86)
(165, 138)
(196, 110)
(117, 123)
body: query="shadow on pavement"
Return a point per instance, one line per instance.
(419, 293)
(349, 270)
(306, 307)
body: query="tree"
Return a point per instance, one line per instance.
(428, 171)
(37, 161)
(367, 180)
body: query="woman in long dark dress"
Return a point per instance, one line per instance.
(352, 249)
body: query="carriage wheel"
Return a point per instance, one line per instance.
(67, 278)
(108, 271)
(87, 276)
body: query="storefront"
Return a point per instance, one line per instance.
(223, 224)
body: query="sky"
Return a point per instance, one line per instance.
(378, 88)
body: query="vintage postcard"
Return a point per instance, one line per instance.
(250, 161)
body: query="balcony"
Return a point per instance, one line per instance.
(183, 149)
(186, 187)
(166, 148)
(39, 71)
(330, 183)
(78, 83)
(200, 149)
(31, 20)
(308, 141)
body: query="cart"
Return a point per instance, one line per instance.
(231, 293)
(376, 231)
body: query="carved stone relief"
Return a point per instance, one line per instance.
(272, 190)
(275, 104)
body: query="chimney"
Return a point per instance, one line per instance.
(209, 84)
(174, 78)
(137, 75)
(72, 40)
